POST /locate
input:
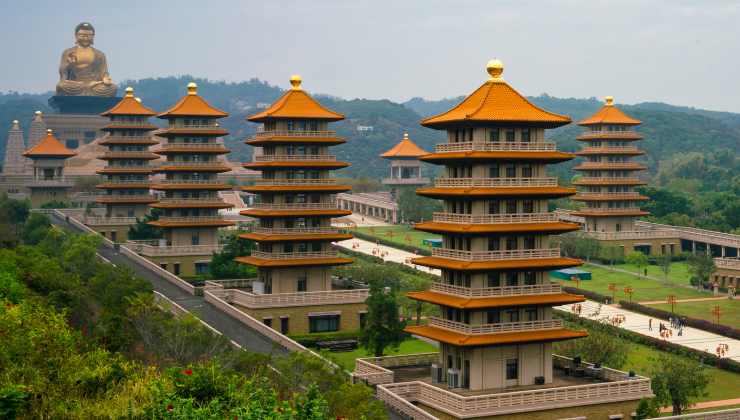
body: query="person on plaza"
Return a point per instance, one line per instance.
(650, 324)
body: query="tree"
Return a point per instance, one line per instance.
(600, 346)
(638, 259)
(223, 266)
(611, 254)
(14, 213)
(664, 262)
(701, 268)
(647, 408)
(678, 381)
(383, 327)
(35, 228)
(587, 247)
(415, 208)
(142, 230)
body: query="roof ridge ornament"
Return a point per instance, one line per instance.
(192, 88)
(129, 92)
(495, 68)
(295, 81)
(609, 100)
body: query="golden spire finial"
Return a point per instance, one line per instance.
(138, 99)
(295, 81)
(192, 88)
(609, 100)
(495, 68)
(129, 92)
(38, 113)
(405, 135)
(15, 122)
(48, 132)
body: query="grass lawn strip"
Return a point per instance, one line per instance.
(399, 234)
(729, 310)
(410, 346)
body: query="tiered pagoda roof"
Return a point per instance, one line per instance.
(49, 147)
(405, 149)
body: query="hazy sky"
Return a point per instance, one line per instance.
(675, 51)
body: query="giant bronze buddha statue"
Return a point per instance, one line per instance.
(83, 70)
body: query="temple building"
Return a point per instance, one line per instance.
(14, 163)
(608, 181)
(126, 177)
(190, 202)
(496, 325)
(48, 183)
(405, 165)
(37, 130)
(295, 203)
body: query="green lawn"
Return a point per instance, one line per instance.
(410, 346)
(724, 384)
(399, 234)
(730, 310)
(644, 289)
(678, 274)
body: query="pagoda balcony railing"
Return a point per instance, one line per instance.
(118, 167)
(286, 181)
(494, 147)
(294, 231)
(154, 248)
(629, 165)
(279, 158)
(104, 220)
(325, 297)
(621, 194)
(294, 255)
(532, 289)
(129, 198)
(610, 179)
(53, 182)
(294, 133)
(635, 234)
(695, 234)
(191, 200)
(733, 263)
(130, 123)
(190, 219)
(330, 205)
(496, 182)
(406, 181)
(211, 126)
(198, 163)
(492, 219)
(615, 210)
(187, 181)
(608, 149)
(501, 327)
(611, 134)
(118, 138)
(127, 181)
(123, 154)
(514, 254)
(205, 146)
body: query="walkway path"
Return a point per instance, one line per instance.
(249, 339)
(388, 253)
(706, 404)
(692, 337)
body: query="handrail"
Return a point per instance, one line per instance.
(294, 255)
(254, 300)
(608, 178)
(496, 182)
(490, 219)
(533, 289)
(125, 154)
(289, 231)
(727, 262)
(295, 133)
(287, 181)
(216, 146)
(331, 205)
(174, 219)
(214, 181)
(607, 149)
(514, 254)
(103, 220)
(494, 146)
(277, 158)
(502, 327)
(153, 249)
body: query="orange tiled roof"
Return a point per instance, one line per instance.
(609, 114)
(193, 105)
(49, 146)
(296, 103)
(129, 105)
(476, 228)
(458, 339)
(404, 149)
(464, 265)
(298, 262)
(462, 302)
(496, 102)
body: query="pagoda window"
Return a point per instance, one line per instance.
(301, 284)
(511, 243)
(510, 135)
(510, 171)
(531, 313)
(528, 206)
(530, 278)
(493, 135)
(195, 239)
(526, 135)
(529, 242)
(510, 206)
(269, 126)
(493, 207)
(494, 171)
(313, 125)
(494, 244)
(316, 246)
(470, 135)
(512, 315)
(291, 125)
(301, 126)
(493, 316)
(494, 279)
(527, 171)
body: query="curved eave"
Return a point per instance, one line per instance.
(186, 186)
(120, 171)
(288, 188)
(520, 337)
(534, 263)
(191, 150)
(612, 167)
(615, 181)
(294, 213)
(114, 186)
(271, 140)
(125, 200)
(475, 122)
(552, 157)
(610, 198)
(186, 168)
(193, 205)
(298, 262)
(296, 164)
(214, 223)
(586, 213)
(144, 127)
(481, 229)
(462, 302)
(196, 132)
(261, 237)
(496, 192)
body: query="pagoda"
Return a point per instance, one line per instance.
(14, 163)
(48, 183)
(126, 176)
(295, 201)
(405, 165)
(189, 201)
(607, 186)
(496, 327)
(37, 130)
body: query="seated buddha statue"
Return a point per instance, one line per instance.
(83, 70)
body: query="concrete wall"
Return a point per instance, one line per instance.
(655, 245)
(590, 412)
(121, 232)
(727, 277)
(298, 316)
(41, 196)
(187, 263)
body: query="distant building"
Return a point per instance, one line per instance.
(14, 163)
(365, 128)
(48, 182)
(405, 168)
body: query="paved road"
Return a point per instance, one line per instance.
(388, 253)
(248, 338)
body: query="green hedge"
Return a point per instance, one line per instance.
(404, 247)
(588, 293)
(710, 359)
(310, 340)
(702, 324)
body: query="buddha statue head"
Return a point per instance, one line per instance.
(84, 34)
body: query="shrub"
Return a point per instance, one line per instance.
(588, 294)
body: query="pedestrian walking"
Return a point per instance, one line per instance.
(650, 324)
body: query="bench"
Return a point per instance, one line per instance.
(337, 345)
